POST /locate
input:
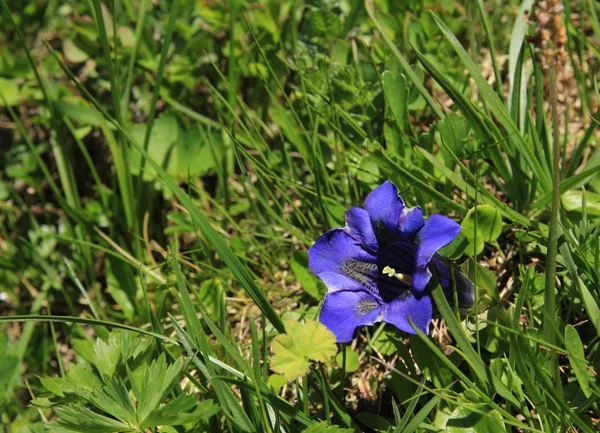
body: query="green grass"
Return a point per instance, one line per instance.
(164, 167)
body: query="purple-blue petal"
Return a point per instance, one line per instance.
(359, 225)
(384, 206)
(333, 249)
(400, 309)
(335, 281)
(345, 311)
(420, 278)
(411, 221)
(437, 232)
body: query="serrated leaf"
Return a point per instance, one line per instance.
(158, 380)
(302, 343)
(113, 399)
(77, 418)
(106, 356)
(79, 376)
(182, 410)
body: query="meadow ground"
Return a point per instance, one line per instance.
(167, 169)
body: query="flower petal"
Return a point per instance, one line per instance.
(360, 227)
(337, 252)
(420, 279)
(411, 221)
(333, 249)
(437, 232)
(384, 206)
(344, 311)
(400, 309)
(335, 281)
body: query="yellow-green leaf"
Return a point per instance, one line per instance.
(303, 343)
(73, 53)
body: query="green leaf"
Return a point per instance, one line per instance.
(394, 88)
(432, 367)
(184, 409)
(107, 356)
(464, 420)
(469, 354)
(194, 154)
(496, 106)
(158, 380)
(455, 130)
(384, 343)
(113, 399)
(396, 109)
(484, 279)
(517, 38)
(181, 152)
(368, 170)
(286, 121)
(79, 110)
(576, 354)
(482, 224)
(572, 201)
(73, 53)
(79, 376)
(121, 284)
(302, 343)
(309, 282)
(224, 394)
(9, 92)
(126, 36)
(276, 381)
(211, 296)
(165, 133)
(77, 418)
(373, 421)
(352, 360)
(322, 427)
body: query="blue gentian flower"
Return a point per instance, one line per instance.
(378, 267)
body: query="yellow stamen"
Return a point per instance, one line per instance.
(391, 272)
